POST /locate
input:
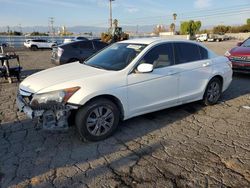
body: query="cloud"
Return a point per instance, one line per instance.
(201, 4)
(59, 3)
(15, 2)
(131, 9)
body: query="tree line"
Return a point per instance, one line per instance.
(193, 27)
(18, 33)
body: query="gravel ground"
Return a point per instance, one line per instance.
(186, 146)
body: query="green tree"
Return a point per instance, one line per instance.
(221, 29)
(190, 27)
(184, 28)
(248, 21)
(244, 28)
(35, 33)
(17, 33)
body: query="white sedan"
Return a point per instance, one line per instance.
(122, 81)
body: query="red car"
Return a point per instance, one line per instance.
(240, 57)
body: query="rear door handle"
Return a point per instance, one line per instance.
(206, 64)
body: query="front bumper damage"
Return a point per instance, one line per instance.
(50, 117)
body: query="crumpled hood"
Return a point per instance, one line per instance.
(58, 75)
(240, 51)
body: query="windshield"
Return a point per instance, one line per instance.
(116, 57)
(246, 43)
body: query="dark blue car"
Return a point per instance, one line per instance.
(75, 51)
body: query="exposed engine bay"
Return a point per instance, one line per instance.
(51, 114)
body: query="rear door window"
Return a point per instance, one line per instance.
(160, 56)
(203, 53)
(186, 52)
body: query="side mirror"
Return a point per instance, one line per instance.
(239, 43)
(145, 68)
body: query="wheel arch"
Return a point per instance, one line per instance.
(215, 76)
(33, 45)
(113, 99)
(219, 77)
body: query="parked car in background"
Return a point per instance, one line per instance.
(124, 80)
(3, 44)
(75, 39)
(202, 37)
(213, 38)
(35, 44)
(223, 36)
(240, 57)
(75, 51)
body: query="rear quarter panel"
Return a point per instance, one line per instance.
(222, 66)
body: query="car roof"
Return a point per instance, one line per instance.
(80, 42)
(150, 40)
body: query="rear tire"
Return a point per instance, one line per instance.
(97, 120)
(213, 91)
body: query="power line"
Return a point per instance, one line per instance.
(184, 15)
(183, 18)
(198, 11)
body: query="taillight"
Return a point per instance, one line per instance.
(59, 52)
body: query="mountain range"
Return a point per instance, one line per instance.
(87, 29)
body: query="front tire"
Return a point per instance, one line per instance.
(213, 91)
(34, 48)
(97, 120)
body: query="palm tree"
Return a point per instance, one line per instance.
(172, 27)
(174, 16)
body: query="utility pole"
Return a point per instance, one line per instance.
(51, 25)
(110, 12)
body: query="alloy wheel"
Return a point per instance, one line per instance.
(100, 120)
(213, 92)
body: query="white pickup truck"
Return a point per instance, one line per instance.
(202, 38)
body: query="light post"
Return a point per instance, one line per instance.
(110, 12)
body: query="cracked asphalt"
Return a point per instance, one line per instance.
(186, 146)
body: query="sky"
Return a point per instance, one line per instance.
(128, 12)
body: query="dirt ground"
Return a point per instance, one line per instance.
(186, 146)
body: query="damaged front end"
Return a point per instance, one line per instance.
(51, 109)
